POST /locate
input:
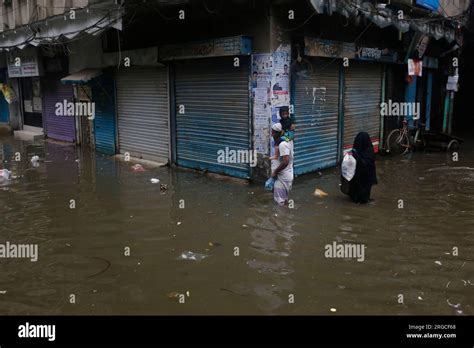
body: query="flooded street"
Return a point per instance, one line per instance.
(409, 251)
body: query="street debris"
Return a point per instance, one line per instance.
(173, 295)
(154, 180)
(233, 292)
(5, 174)
(138, 168)
(189, 255)
(320, 193)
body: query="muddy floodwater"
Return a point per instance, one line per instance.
(118, 250)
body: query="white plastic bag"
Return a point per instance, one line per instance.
(348, 166)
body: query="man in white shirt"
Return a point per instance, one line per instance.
(282, 168)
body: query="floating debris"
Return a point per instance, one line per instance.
(189, 255)
(138, 168)
(438, 263)
(3, 292)
(320, 193)
(457, 305)
(178, 223)
(35, 159)
(163, 187)
(214, 244)
(154, 180)
(5, 174)
(173, 294)
(334, 310)
(420, 298)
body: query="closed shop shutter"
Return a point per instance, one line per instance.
(316, 114)
(215, 97)
(143, 112)
(61, 127)
(103, 95)
(363, 86)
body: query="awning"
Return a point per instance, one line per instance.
(81, 77)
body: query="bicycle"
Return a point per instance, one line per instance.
(400, 141)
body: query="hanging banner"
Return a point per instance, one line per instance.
(415, 67)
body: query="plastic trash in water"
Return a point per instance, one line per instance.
(5, 174)
(138, 168)
(35, 159)
(269, 184)
(154, 180)
(189, 255)
(320, 193)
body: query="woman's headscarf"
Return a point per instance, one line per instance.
(365, 156)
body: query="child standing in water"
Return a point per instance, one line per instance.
(288, 127)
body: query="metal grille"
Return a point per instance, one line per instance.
(316, 116)
(215, 97)
(143, 112)
(363, 85)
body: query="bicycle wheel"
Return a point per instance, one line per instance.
(398, 142)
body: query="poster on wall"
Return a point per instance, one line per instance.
(262, 66)
(280, 85)
(281, 78)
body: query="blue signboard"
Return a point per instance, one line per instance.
(429, 4)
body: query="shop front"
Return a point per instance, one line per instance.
(211, 105)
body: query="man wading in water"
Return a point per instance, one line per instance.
(282, 168)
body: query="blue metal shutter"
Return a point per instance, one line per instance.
(215, 95)
(143, 112)
(363, 86)
(316, 101)
(103, 95)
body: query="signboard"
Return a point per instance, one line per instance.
(432, 5)
(328, 48)
(335, 49)
(23, 63)
(227, 46)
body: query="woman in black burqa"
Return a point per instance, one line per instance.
(365, 175)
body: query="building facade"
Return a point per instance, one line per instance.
(178, 82)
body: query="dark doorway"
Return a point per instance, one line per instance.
(32, 101)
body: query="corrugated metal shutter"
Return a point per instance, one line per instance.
(143, 112)
(363, 86)
(215, 95)
(103, 95)
(57, 127)
(316, 101)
